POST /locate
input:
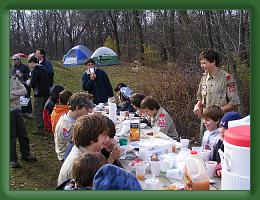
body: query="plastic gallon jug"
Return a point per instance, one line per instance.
(195, 173)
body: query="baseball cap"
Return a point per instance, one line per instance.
(126, 92)
(229, 116)
(16, 57)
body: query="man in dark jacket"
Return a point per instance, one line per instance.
(41, 92)
(22, 72)
(96, 82)
(40, 54)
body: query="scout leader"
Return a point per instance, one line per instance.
(216, 87)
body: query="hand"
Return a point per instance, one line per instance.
(115, 154)
(93, 76)
(197, 110)
(28, 82)
(126, 114)
(111, 145)
(19, 74)
(219, 170)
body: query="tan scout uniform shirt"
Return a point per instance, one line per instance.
(170, 128)
(17, 89)
(219, 89)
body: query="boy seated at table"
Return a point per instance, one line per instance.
(151, 107)
(49, 105)
(223, 126)
(135, 101)
(111, 177)
(211, 118)
(110, 150)
(90, 134)
(79, 104)
(124, 98)
(83, 171)
(60, 108)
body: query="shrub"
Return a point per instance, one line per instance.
(150, 55)
(110, 43)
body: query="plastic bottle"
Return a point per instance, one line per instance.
(195, 173)
(161, 121)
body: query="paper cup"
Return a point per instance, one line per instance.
(155, 167)
(185, 143)
(204, 154)
(131, 115)
(140, 171)
(211, 168)
(152, 183)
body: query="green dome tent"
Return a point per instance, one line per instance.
(105, 56)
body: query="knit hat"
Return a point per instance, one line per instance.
(126, 92)
(111, 177)
(229, 116)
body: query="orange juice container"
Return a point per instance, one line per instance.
(195, 173)
(135, 129)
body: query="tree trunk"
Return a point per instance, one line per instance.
(140, 33)
(113, 19)
(208, 26)
(230, 59)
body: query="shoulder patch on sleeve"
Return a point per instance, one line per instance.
(228, 77)
(231, 87)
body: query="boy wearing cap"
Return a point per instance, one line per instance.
(223, 126)
(17, 126)
(124, 97)
(22, 72)
(79, 105)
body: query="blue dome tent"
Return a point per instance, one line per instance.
(105, 56)
(77, 56)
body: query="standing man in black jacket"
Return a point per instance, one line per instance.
(41, 92)
(40, 54)
(96, 82)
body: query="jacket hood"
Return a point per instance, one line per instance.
(111, 177)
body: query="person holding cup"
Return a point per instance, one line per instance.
(96, 82)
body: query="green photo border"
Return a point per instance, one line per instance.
(7, 5)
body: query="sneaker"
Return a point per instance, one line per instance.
(15, 164)
(29, 157)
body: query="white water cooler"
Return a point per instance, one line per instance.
(236, 166)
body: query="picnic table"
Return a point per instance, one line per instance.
(215, 183)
